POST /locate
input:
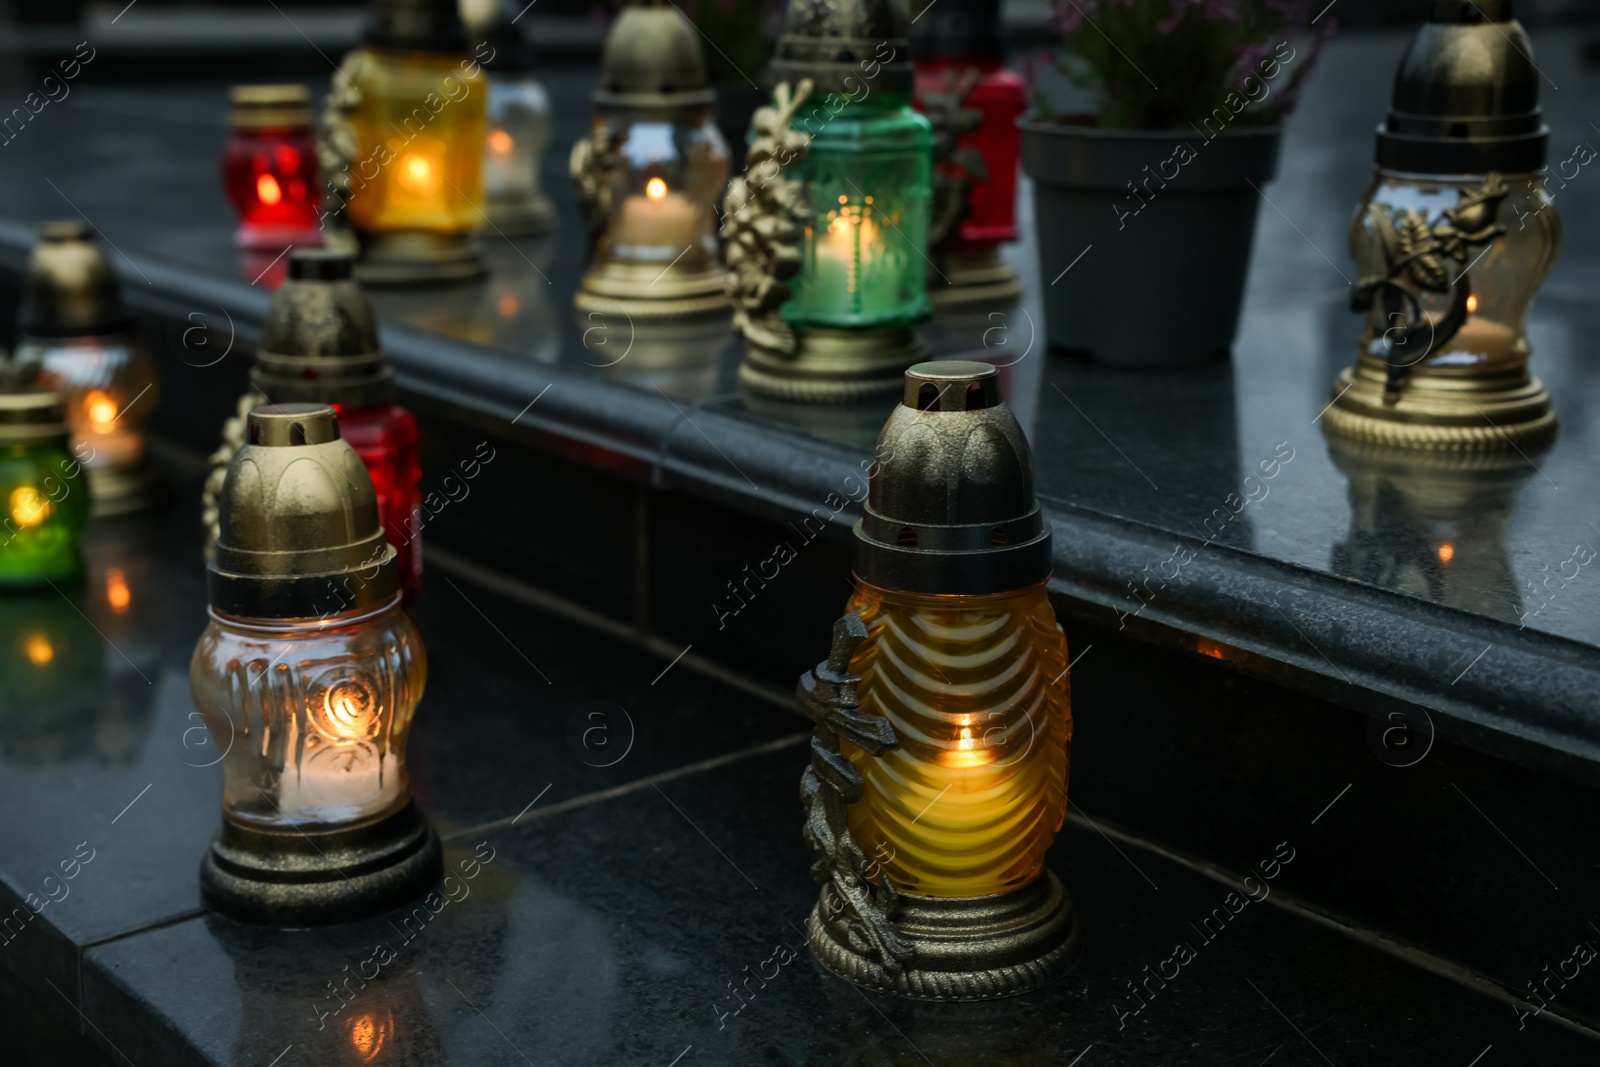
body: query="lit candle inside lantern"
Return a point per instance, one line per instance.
(118, 596)
(28, 507)
(659, 219)
(853, 237)
(112, 444)
(339, 774)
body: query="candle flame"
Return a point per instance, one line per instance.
(1447, 552)
(28, 508)
(655, 188)
(38, 649)
(1472, 303)
(418, 173)
(500, 143)
(117, 594)
(267, 190)
(966, 739)
(101, 410)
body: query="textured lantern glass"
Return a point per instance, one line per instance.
(673, 167)
(975, 686)
(1000, 97)
(419, 128)
(313, 714)
(269, 167)
(868, 176)
(1505, 274)
(44, 506)
(519, 131)
(385, 437)
(109, 387)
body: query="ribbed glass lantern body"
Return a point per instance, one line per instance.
(44, 507)
(1505, 274)
(312, 714)
(868, 177)
(975, 687)
(420, 134)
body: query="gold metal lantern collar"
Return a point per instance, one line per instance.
(653, 59)
(256, 107)
(31, 416)
(298, 521)
(843, 46)
(951, 506)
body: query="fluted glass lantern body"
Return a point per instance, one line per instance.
(419, 128)
(269, 166)
(1505, 273)
(869, 179)
(313, 714)
(973, 796)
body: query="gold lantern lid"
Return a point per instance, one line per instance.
(255, 107)
(28, 414)
(416, 26)
(298, 523)
(844, 46)
(653, 58)
(319, 342)
(70, 289)
(951, 506)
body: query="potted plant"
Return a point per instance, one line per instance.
(1146, 208)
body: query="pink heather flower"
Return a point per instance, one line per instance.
(1067, 18)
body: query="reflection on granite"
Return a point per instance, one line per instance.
(664, 926)
(1163, 449)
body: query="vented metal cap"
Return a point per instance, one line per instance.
(653, 58)
(844, 45)
(298, 520)
(417, 25)
(70, 289)
(319, 343)
(951, 507)
(1466, 96)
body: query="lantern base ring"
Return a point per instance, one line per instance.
(647, 291)
(1441, 409)
(297, 877)
(967, 948)
(521, 215)
(123, 490)
(974, 277)
(402, 258)
(834, 366)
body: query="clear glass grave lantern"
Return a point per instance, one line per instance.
(867, 176)
(307, 678)
(73, 325)
(518, 128)
(1451, 242)
(402, 146)
(939, 764)
(44, 494)
(961, 43)
(651, 173)
(269, 167)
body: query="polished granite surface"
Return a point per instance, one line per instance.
(1163, 449)
(632, 886)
